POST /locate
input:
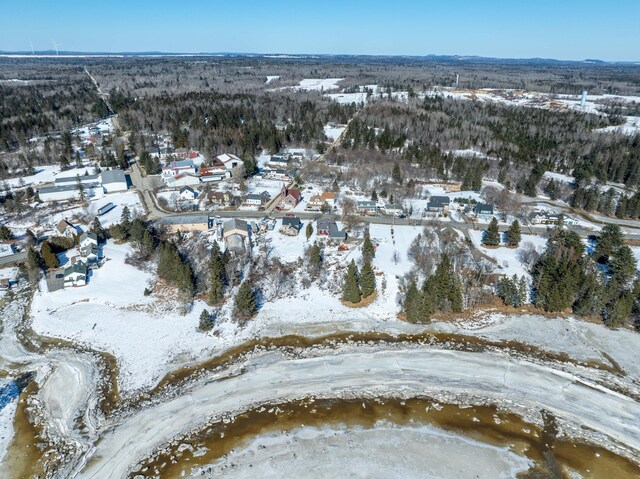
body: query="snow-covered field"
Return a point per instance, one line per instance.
(383, 452)
(333, 133)
(508, 259)
(147, 335)
(318, 84)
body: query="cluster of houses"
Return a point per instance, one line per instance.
(237, 233)
(82, 258)
(68, 188)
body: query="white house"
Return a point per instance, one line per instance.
(258, 199)
(88, 246)
(188, 193)
(113, 180)
(178, 167)
(181, 180)
(65, 228)
(229, 160)
(76, 274)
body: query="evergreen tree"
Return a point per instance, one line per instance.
(374, 196)
(6, 234)
(50, 259)
(413, 304)
(125, 216)
(492, 234)
(513, 234)
(351, 289)
(367, 280)
(396, 174)
(173, 269)
(442, 289)
(82, 195)
(35, 264)
(609, 241)
(368, 251)
(245, 304)
(218, 275)
(591, 297)
(314, 256)
(309, 230)
(97, 228)
(623, 266)
(206, 321)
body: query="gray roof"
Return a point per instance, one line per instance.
(334, 232)
(439, 201)
(235, 223)
(56, 189)
(179, 164)
(113, 176)
(77, 267)
(187, 188)
(88, 234)
(392, 206)
(367, 204)
(74, 179)
(483, 209)
(292, 221)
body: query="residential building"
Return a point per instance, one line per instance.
(65, 228)
(484, 211)
(328, 227)
(289, 198)
(367, 207)
(220, 198)
(177, 167)
(76, 274)
(183, 179)
(316, 202)
(546, 218)
(278, 161)
(258, 199)
(211, 174)
(88, 246)
(438, 203)
(291, 224)
(188, 193)
(229, 160)
(6, 249)
(392, 209)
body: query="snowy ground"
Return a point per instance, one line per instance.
(508, 259)
(146, 334)
(333, 133)
(383, 452)
(579, 339)
(318, 84)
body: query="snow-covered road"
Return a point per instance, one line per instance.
(582, 406)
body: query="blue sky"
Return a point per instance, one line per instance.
(563, 29)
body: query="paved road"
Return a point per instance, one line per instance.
(388, 220)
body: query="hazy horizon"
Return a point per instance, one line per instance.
(571, 30)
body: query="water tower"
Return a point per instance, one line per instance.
(583, 100)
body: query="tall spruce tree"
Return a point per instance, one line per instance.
(245, 304)
(206, 321)
(609, 241)
(368, 251)
(309, 230)
(513, 234)
(492, 234)
(218, 274)
(351, 288)
(367, 280)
